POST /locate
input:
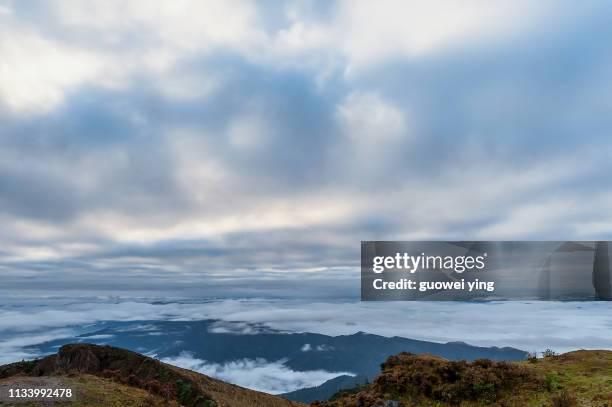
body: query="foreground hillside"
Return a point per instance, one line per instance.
(581, 378)
(107, 376)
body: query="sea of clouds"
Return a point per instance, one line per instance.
(528, 325)
(257, 374)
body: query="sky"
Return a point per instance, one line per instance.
(245, 148)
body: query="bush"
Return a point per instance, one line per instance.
(552, 381)
(450, 381)
(564, 399)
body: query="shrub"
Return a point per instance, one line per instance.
(552, 381)
(450, 381)
(153, 386)
(564, 399)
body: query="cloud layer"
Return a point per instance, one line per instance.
(531, 326)
(259, 374)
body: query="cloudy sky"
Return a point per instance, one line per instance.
(241, 147)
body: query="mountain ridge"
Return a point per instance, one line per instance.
(326, 389)
(358, 353)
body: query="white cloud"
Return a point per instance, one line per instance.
(236, 328)
(301, 37)
(35, 73)
(372, 32)
(362, 34)
(525, 325)
(12, 346)
(259, 374)
(184, 24)
(369, 119)
(319, 348)
(107, 47)
(183, 86)
(38, 70)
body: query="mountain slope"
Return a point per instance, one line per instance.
(326, 390)
(581, 378)
(128, 379)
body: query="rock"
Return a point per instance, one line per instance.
(78, 358)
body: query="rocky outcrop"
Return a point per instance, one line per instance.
(120, 365)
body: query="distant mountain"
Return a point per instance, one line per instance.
(581, 378)
(327, 389)
(222, 342)
(107, 376)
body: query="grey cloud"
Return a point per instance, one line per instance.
(34, 194)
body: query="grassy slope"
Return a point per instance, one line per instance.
(93, 391)
(585, 375)
(90, 391)
(107, 376)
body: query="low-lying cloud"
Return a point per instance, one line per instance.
(258, 374)
(530, 325)
(12, 344)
